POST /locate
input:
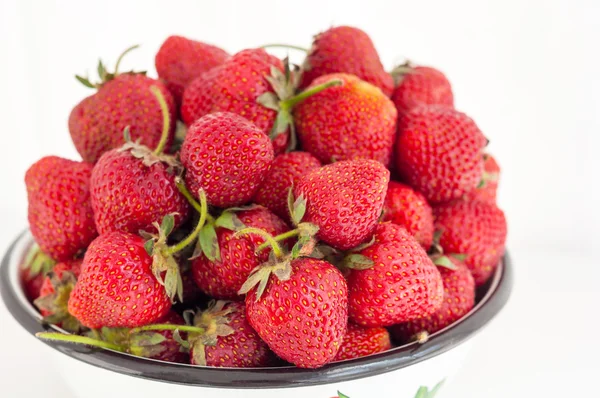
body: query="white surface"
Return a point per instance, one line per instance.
(527, 72)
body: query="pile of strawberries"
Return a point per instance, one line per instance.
(241, 211)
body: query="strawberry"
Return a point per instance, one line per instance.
(227, 156)
(487, 188)
(409, 209)
(96, 124)
(60, 212)
(55, 292)
(392, 280)
(180, 60)
(286, 171)
(459, 298)
(116, 287)
(354, 120)
(344, 200)
(345, 49)
(222, 274)
(229, 340)
(300, 312)
(33, 269)
(252, 84)
(134, 187)
(169, 349)
(420, 85)
(439, 152)
(475, 229)
(360, 341)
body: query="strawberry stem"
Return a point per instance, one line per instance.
(192, 236)
(289, 103)
(116, 72)
(190, 198)
(263, 234)
(76, 339)
(166, 120)
(278, 45)
(167, 326)
(279, 238)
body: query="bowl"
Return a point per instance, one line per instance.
(403, 370)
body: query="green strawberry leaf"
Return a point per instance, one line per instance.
(422, 392)
(269, 100)
(230, 221)
(298, 209)
(101, 70)
(459, 256)
(167, 225)
(209, 242)
(444, 261)
(341, 395)
(85, 81)
(435, 389)
(149, 246)
(358, 262)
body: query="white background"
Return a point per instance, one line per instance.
(527, 72)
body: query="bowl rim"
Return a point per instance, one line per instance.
(495, 296)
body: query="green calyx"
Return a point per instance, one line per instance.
(214, 323)
(57, 303)
(400, 71)
(103, 73)
(424, 392)
(37, 262)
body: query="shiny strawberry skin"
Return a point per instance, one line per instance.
(73, 266)
(439, 152)
(422, 86)
(287, 169)
(354, 120)
(32, 285)
(345, 49)
(242, 349)
(223, 279)
(96, 124)
(487, 193)
(344, 200)
(476, 229)
(227, 156)
(235, 87)
(129, 196)
(402, 285)
(180, 60)
(302, 319)
(171, 349)
(361, 341)
(60, 211)
(409, 209)
(459, 298)
(116, 287)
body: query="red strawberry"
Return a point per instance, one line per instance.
(116, 287)
(459, 298)
(60, 213)
(487, 188)
(302, 312)
(344, 200)
(55, 292)
(222, 277)
(439, 152)
(402, 283)
(420, 85)
(475, 229)
(229, 341)
(180, 60)
(96, 124)
(32, 284)
(169, 349)
(354, 120)
(286, 171)
(33, 269)
(344, 49)
(409, 209)
(227, 156)
(361, 341)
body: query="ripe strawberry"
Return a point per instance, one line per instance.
(96, 124)
(420, 85)
(401, 284)
(223, 276)
(116, 287)
(60, 213)
(134, 187)
(55, 292)
(286, 171)
(487, 188)
(229, 340)
(409, 209)
(344, 200)
(180, 60)
(475, 229)
(459, 298)
(301, 313)
(227, 156)
(169, 349)
(33, 269)
(439, 152)
(360, 341)
(344, 49)
(354, 120)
